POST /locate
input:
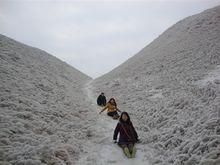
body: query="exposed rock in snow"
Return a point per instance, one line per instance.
(171, 89)
(42, 107)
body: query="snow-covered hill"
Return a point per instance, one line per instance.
(171, 88)
(42, 107)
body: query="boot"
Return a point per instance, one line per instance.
(134, 150)
(127, 152)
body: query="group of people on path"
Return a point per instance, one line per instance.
(127, 133)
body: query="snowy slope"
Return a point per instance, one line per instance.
(101, 150)
(42, 107)
(171, 88)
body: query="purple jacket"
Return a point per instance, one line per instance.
(127, 133)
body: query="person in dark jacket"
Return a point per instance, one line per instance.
(101, 100)
(128, 135)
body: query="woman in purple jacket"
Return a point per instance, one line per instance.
(128, 136)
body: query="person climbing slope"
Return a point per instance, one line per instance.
(128, 136)
(101, 100)
(112, 109)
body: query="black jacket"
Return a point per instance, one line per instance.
(101, 100)
(127, 133)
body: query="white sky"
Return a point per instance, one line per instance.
(93, 36)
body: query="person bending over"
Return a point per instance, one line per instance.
(112, 109)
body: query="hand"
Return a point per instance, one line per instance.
(100, 112)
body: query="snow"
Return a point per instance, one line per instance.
(48, 113)
(212, 77)
(104, 151)
(42, 113)
(171, 90)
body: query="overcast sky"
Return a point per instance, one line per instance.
(93, 36)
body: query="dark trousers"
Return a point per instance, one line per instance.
(113, 114)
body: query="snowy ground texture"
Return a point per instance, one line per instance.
(42, 107)
(48, 113)
(171, 88)
(101, 149)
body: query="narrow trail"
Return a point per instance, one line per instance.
(102, 150)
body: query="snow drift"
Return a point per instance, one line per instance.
(171, 88)
(42, 107)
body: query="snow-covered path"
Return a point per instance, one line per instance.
(102, 150)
